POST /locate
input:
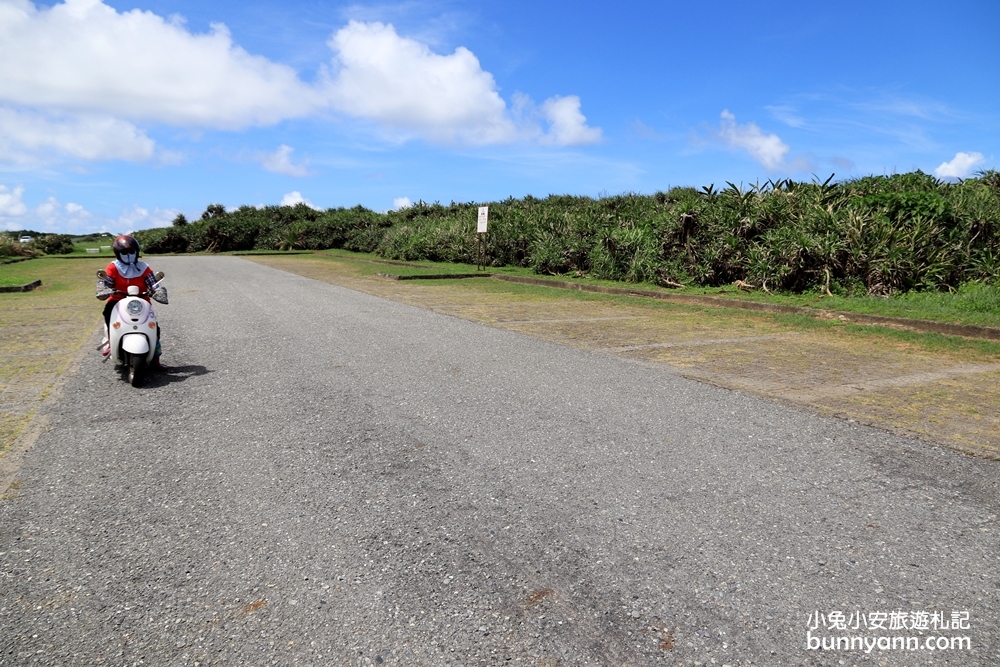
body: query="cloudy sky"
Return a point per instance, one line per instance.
(119, 115)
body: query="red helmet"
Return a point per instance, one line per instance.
(125, 245)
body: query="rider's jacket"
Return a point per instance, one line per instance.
(115, 286)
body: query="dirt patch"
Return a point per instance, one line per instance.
(537, 596)
(948, 394)
(961, 411)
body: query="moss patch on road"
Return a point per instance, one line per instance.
(941, 388)
(40, 333)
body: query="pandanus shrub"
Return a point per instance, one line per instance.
(872, 235)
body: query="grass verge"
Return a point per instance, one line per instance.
(973, 304)
(40, 332)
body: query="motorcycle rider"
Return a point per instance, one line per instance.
(122, 273)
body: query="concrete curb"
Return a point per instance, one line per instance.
(27, 287)
(268, 253)
(433, 276)
(388, 262)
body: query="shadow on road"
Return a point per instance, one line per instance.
(174, 374)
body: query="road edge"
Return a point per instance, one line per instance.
(38, 423)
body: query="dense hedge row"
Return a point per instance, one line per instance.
(875, 235)
(270, 228)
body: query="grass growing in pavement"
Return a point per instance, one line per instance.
(974, 303)
(370, 264)
(925, 341)
(358, 265)
(40, 332)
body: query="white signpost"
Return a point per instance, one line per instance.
(484, 215)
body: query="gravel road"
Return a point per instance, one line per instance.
(328, 478)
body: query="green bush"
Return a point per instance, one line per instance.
(11, 248)
(874, 235)
(54, 244)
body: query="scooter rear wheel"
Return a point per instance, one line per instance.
(136, 369)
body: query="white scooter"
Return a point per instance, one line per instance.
(133, 332)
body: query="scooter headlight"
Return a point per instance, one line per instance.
(134, 308)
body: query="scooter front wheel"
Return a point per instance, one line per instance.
(136, 369)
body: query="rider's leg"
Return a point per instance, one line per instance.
(157, 364)
(106, 343)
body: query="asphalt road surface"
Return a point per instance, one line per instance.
(328, 478)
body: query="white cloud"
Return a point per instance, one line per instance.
(960, 166)
(12, 202)
(87, 137)
(409, 90)
(767, 149)
(295, 197)
(83, 81)
(568, 127)
(52, 216)
(280, 162)
(401, 84)
(401, 202)
(83, 56)
(922, 109)
(48, 209)
(787, 115)
(139, 217)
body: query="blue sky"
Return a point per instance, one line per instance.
(119, 115)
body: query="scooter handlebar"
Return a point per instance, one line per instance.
(140, 294)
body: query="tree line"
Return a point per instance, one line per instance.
(871, 235)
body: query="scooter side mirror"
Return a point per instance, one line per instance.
(159, 276)
(102, 274)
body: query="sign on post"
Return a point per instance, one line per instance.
(484, 214)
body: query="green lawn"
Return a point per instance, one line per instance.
(974, 303)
